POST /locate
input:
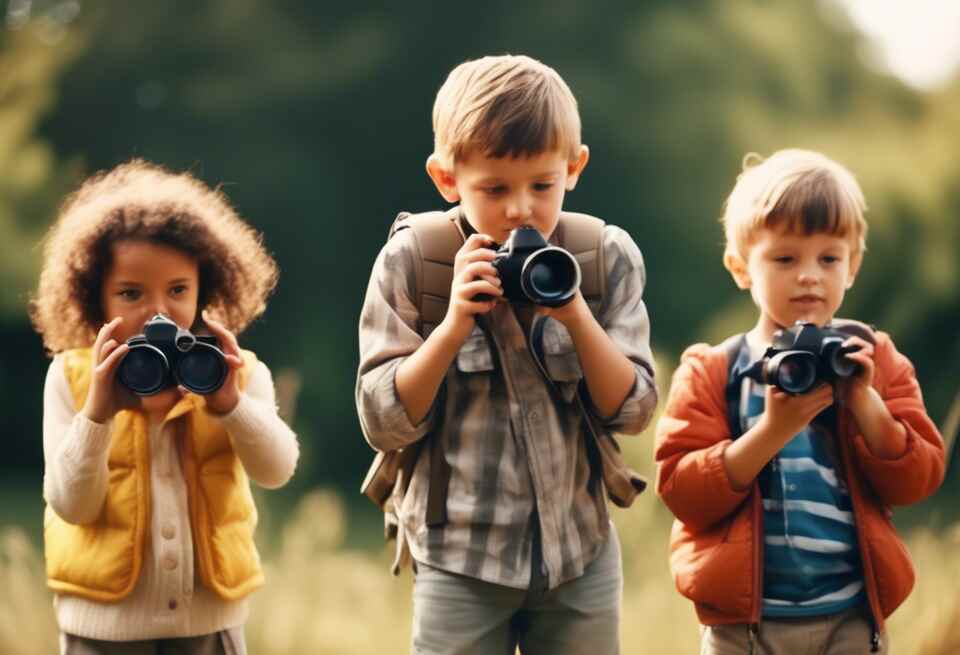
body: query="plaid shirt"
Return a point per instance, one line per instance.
(516, 452)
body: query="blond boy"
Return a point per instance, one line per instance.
(525, 553)
(783, 538)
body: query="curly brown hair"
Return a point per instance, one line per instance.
(142, 201)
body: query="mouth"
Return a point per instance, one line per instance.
(807, 299)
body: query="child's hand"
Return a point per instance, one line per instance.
(854, 389)
(473, 274)
(225, 399)
(106, 397)
(569, 314)
(786, 415)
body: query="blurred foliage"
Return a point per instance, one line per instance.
(315, 118)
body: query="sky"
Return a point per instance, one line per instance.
(917, 40)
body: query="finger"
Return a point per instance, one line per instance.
(228, 342)
(469, 290)
(477, 240)
(492, 279)
(478, 269)
(102, 335)
(233, 361)
(110, 362)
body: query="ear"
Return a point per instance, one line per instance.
(576, 166)
(856, 260)
(443, 179)
(738, 269)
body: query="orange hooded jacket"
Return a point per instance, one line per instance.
(716, 541)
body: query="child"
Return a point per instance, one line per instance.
(831, 568)
(149, 521)
(523, 551)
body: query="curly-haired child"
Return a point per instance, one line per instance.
(149, 523)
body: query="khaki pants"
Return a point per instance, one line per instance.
(458, 615)
(846, 633)
(225, 642)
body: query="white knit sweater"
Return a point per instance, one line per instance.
(168, 600)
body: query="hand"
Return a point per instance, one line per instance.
(854, 390)
(570, 314)
(225, 399)
(473, 274)
(105, 396)
(785, 415)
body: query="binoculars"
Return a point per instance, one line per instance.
(166, 355)
(533, 271)
(802, 356)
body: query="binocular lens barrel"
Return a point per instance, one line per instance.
(201, 370)
(793, 371)
(143, 369)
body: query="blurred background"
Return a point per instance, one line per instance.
(315, 119)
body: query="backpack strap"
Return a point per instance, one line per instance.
(582, 236)
(737, 362)
(439, 235)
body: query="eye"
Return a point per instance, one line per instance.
(178, 289)
(130, 294)
(783, 259)
(495, 190)
(543, 186)
(830, 259)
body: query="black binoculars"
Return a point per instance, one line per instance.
(166, 355)
(802, 356)
(532, 270)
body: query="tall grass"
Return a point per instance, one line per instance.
(323, 597)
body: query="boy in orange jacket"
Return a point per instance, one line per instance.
(783, 531)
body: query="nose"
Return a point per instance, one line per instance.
(518, 209)
(808, 278)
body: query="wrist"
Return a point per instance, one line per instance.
(577, 316)
(453, 331)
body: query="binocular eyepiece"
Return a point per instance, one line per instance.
(166, 355)
(802, 356)
(533, 271)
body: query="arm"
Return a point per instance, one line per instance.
(266, 446)
(692, 438)
(614, 352)
(896, 445)
(74, 451)
(400, 373)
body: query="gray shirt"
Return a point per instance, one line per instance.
(516, 451)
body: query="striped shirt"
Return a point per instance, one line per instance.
(811, 558)
(516, 452)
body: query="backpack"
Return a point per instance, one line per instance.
(439, 236)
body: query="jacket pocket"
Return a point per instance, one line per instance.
(559, 353)
(474, 355)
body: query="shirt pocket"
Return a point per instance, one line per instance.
(560, 358)
(474, 355)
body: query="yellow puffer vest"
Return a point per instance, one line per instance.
(101, 560)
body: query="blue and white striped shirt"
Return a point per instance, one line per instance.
(811, 560)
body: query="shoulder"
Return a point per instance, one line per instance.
(704, 366)
(620, 254)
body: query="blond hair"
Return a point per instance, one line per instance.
(800, 191)
(142, 201)
(506, 105)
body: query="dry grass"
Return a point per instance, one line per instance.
(324, 598)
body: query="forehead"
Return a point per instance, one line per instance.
(768, 238)
(137, 260)
(480, 166)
